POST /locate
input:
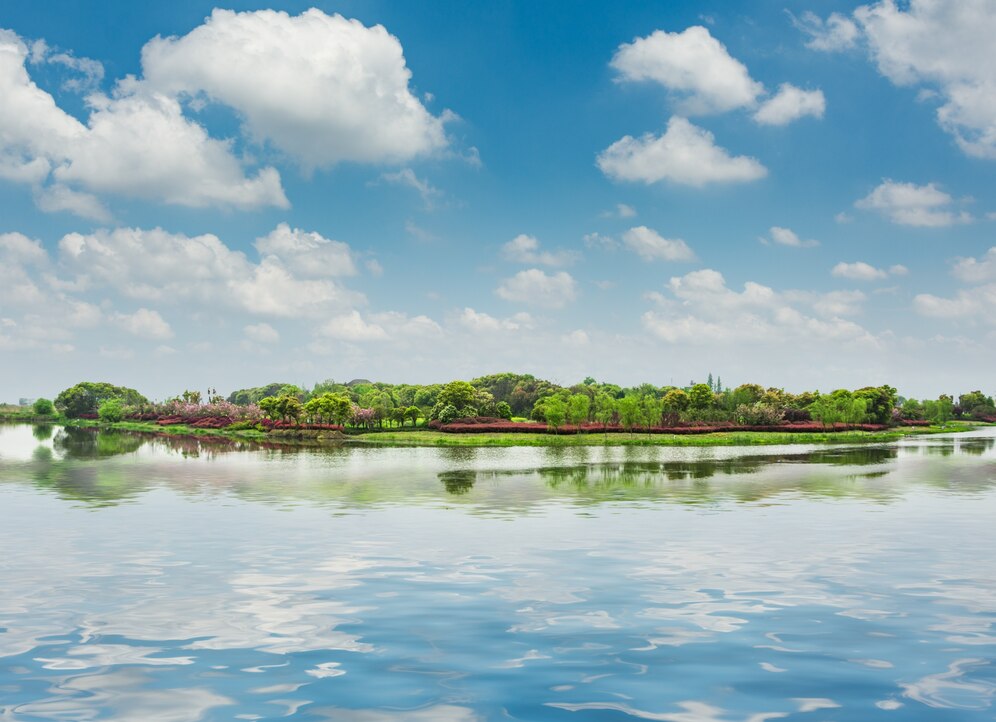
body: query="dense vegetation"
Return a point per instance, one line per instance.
(500, 402)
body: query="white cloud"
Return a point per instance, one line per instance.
(975, 270)
(787, 237)
(430, 195)
(649, 245)
(702, 309)
(526, 249)
(692, 64)
(535, 287)
(685, 154)
(145, 323)
(85, 73)
(155, 265)
(979, 302)
(858, 271)
(947, 46)
(837, 32)
(307, 253)
(261, 333)
(400, 325)
(141, 145)
(600, 240)
(576, 338)
(620, 211)
(57, 197)
(136, 143)
(351, 327)
(912, 205)
(374, 268)
(789, 104)
(322, 88)
(480, 322)
(18, 248)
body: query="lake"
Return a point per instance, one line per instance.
(150, 579)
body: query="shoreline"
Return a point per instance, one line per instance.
(432, 438)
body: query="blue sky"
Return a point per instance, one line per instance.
(797, 194)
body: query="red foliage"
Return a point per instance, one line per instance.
(486, 425)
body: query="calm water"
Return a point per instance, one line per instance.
(146, 580)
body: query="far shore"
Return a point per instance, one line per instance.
(429, 437)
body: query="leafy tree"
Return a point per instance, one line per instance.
(413, 413)
(111, 411)
(941, 411)
(700, 396)
(555, 411)
(85, 398)
(673, 404)
(605, 408)
(457, 393)
(879, 402)
(43, 407)
(578, 407)
(503, 410)
(447, 413)
(630, 412)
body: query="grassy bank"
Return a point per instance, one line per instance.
(425, 437)
(741, 438)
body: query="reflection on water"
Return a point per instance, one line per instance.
(147, 578)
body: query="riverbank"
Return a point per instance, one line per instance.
(427, 437)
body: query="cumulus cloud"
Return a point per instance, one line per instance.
(352, 327)
(537, 288)
(977, 301)
(837, 32)
(649, 245)
(858, 271)
(787, 237)
(526, 249)
(480, 322)
(694, 65)
(322, 88)
(145, 323)
(621, 210)
(153, 264)
(135, 143)
(789, 104)
(307, 253)
(912, 205)
(684, 154)
(974, 270)
(701, 308)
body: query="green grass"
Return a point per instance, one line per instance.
(425, 437)
(740, 438)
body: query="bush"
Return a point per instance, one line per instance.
(759, 414)
(43, 407)
(111, 411)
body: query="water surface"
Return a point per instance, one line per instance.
(153, 579)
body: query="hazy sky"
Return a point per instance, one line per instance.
(799, 194)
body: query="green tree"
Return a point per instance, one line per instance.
(43, 407)
(629, 412)
(85, 398)
(578, 408)
(111, 411)
(503, 410)
(555, 411)
(673, 404)
(700, 397)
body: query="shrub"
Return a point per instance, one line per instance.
(759, 414)
(43, 407)
(111, 411)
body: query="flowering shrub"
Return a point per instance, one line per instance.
(215, 415)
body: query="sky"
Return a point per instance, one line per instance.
(797, 194)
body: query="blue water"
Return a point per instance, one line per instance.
(147, 580)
